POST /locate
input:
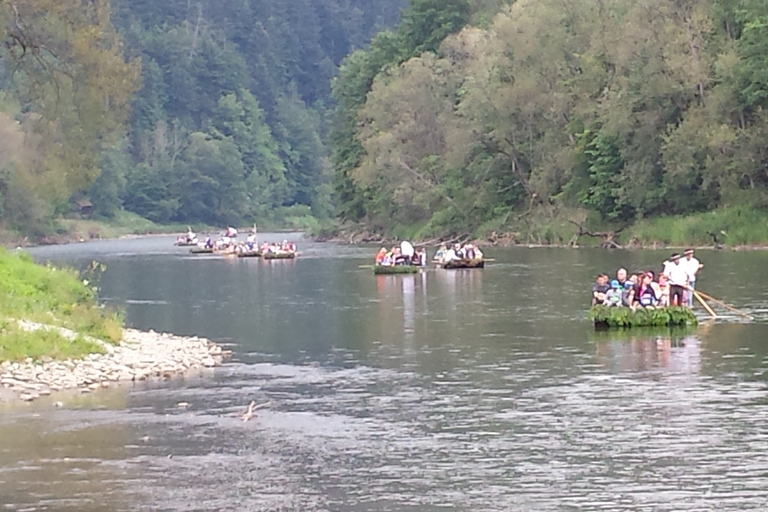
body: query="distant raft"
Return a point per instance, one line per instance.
(279, 255)
(201, 250)
(463, 263)
(395, 269)
(624, 318)
(249, 254)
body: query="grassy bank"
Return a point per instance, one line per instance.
(735, 226)
(53, 297)
(731, 227)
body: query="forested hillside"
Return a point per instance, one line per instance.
(181, 110)
(558, 112)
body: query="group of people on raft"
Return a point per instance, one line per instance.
(457, 252)
(227, 243)
(405, 254)
(674, 286)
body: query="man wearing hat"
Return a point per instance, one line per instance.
(677, 275)
(692, 267)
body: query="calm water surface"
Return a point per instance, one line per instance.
(450, 390)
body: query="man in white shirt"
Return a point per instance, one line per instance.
(692, 267)
(678, 280)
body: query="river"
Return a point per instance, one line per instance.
(483, 390)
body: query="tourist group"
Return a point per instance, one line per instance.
(405, 254)
(642, 289)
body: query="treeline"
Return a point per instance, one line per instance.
(599, 112)
(181, 111)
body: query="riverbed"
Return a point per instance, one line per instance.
(481, 390)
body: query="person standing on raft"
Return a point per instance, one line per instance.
(692, 267)
(678, 280)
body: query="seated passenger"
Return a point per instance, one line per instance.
(646, 295)
(398, 257)
(599, 289)
(469, 251)
(380, 256)
(613, 296)
(664, 287)
(416, 259)
(440, 253)
(423, 257)
(628, 294)
(458, 251)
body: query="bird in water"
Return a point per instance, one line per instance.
(252, 407)
(249, 413)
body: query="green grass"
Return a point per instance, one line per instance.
(733, 226)
(17, 344)
(49, 296)
(643, 317)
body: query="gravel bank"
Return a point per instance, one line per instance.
(140, 356)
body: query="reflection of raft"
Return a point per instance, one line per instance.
(201, 250)
(249, 254)
(395, 269)
(465, 263)
(279, 255)
(605, 317)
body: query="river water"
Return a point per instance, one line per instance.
(449, 390)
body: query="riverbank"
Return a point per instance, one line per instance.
(742, 227)
(139, 356)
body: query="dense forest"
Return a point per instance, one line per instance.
(193, 111)
(602, 113)
(541, 118)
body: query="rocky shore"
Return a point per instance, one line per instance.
(140, 356)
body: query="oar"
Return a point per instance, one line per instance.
(726, 306)
(704, 303)
(365, 266)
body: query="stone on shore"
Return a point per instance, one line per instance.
(140, 356)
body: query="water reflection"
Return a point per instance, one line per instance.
(677, 351)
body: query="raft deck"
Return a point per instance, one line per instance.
(395, 269)
(279, 255)
(465, 263)
(606, 317)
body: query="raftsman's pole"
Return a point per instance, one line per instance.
(704, 303)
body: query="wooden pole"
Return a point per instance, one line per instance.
(726, 306)
(704, 303)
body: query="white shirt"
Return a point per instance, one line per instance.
(691, 267)
(450, 255)
(677, 274)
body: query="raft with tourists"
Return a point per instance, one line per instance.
(402, 259)
(641, 300)
(459, 257)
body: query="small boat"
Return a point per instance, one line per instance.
(185, 243)
(201, 250)
(249, 254)
(625, 318)
(465, 263)
(395, 269)
(279, 255)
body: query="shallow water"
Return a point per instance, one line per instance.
(450, 390)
